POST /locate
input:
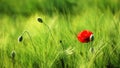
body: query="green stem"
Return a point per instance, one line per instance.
(30, 38)
(49, 31)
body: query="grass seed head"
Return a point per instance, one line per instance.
(69, 51)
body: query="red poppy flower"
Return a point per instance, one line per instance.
(85, 36)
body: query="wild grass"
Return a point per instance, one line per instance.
(63, 50)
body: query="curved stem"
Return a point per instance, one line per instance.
(49, 30)
(30, 38)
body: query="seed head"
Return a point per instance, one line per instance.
(69, 51)
(20, 38)
(40, 20)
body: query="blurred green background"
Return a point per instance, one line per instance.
(28, 7)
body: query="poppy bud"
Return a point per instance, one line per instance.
(91, 37)
(20, 39)
(13, 54)
(40, 20)
(60, 41)
(85, 36)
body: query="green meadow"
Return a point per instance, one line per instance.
(27, 43)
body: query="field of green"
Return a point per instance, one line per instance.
(53, 43)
